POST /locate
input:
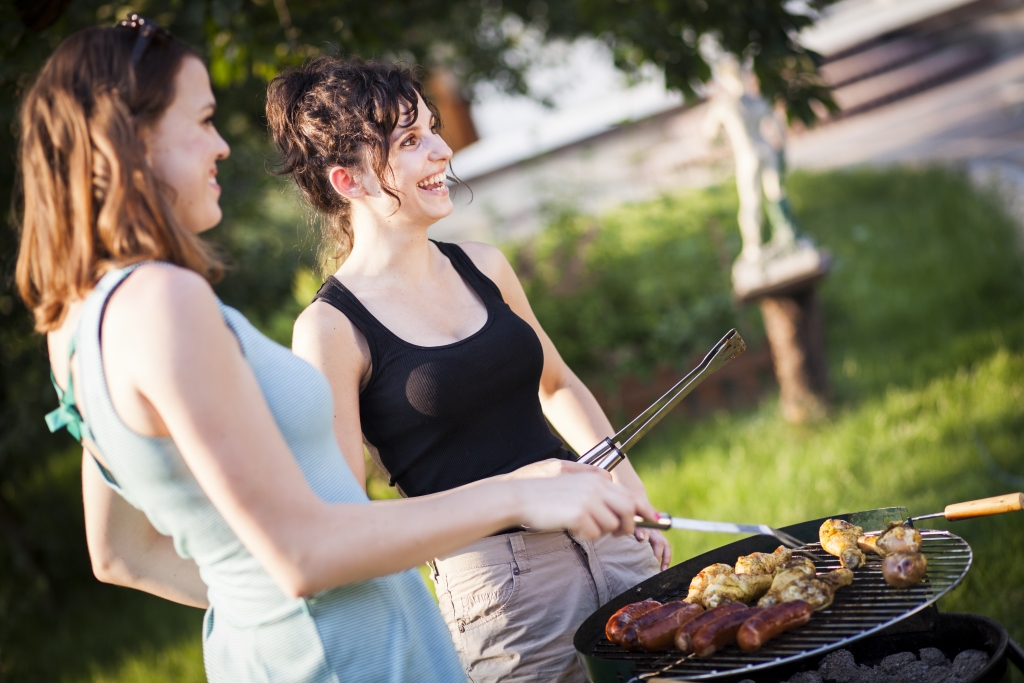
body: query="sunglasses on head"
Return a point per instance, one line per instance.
(147, 30)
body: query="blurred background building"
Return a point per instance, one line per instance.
(915, 80)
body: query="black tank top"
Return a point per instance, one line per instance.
(443, 416)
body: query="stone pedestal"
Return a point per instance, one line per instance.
(785, 286)
(793, 323)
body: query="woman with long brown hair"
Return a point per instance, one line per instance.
(438, 364)
(211, 473)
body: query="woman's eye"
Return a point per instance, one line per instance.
(409, 141)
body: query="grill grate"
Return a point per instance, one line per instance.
(864, 607)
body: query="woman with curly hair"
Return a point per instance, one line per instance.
(439, 366)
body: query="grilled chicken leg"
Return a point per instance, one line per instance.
(733, 587)
(796, 580)
(898, 538)
(700, 582)
(763, 563)
(839, 538)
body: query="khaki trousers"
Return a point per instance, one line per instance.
(513, 602)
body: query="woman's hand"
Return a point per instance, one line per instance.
(659, 544)
(588, 504)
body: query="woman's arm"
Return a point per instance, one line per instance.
(127, 551)
(567, 403)
(326, 338)
(179, 358)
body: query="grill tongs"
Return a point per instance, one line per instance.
(607, 454)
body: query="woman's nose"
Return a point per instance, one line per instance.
(441, 150)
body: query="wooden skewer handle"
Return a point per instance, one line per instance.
(1011, 502)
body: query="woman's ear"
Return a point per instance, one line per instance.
(345, 182)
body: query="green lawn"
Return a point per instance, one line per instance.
(925, 336)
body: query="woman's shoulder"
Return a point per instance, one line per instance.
(489, 260)
(159, 286)
(159, 297)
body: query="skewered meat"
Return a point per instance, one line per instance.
(760, 628)
(658, 636)
(712, 637)
(700, 582)
(902, 569)
(899, 538)
(797, 581)
(900, 545)
(684, 636)
(839, 538)
(732, 587)
(763, 563)
(624, 617)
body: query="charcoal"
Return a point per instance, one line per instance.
(933, 656)
(910, 672)
(806, 677)
(894, 663)
(942, 673)
(838, 666)
(969, 664)
(867, 674)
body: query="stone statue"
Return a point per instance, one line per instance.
(787, 257)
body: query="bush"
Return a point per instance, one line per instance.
(639, 287)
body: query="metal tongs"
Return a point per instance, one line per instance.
(610, 452)
(666, 521)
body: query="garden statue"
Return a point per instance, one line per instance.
(787, 258)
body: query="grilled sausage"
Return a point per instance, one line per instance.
(712, 637)
(760, 628)
(630, 638)
(658, 636)
(683, 639)
(625, 616)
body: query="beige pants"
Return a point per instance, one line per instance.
(513, 602)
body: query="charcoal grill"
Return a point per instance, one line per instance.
(866, 607)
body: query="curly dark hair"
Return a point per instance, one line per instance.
(340, 112)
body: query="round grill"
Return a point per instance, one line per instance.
(865, 607)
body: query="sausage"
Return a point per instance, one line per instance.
(630, 638)
(712, 637)
(683, 639)
(658, 636)
(625, 616)
(760, 628)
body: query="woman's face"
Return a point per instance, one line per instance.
(183, 148)
(418, 159)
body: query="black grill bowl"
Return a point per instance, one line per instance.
(952, 633)
(607, 666)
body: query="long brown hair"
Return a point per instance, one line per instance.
(335, 112)
(91, 203)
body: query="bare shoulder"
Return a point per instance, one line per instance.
(322, 331)
(320, 320)
(159, 294)
(490, 260)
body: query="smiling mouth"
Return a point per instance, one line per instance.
(434, 183)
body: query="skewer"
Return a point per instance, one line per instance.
(607, 454)
(1011, 502)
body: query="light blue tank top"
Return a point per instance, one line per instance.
(384, 629)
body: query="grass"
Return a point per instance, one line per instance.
(924, 325)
